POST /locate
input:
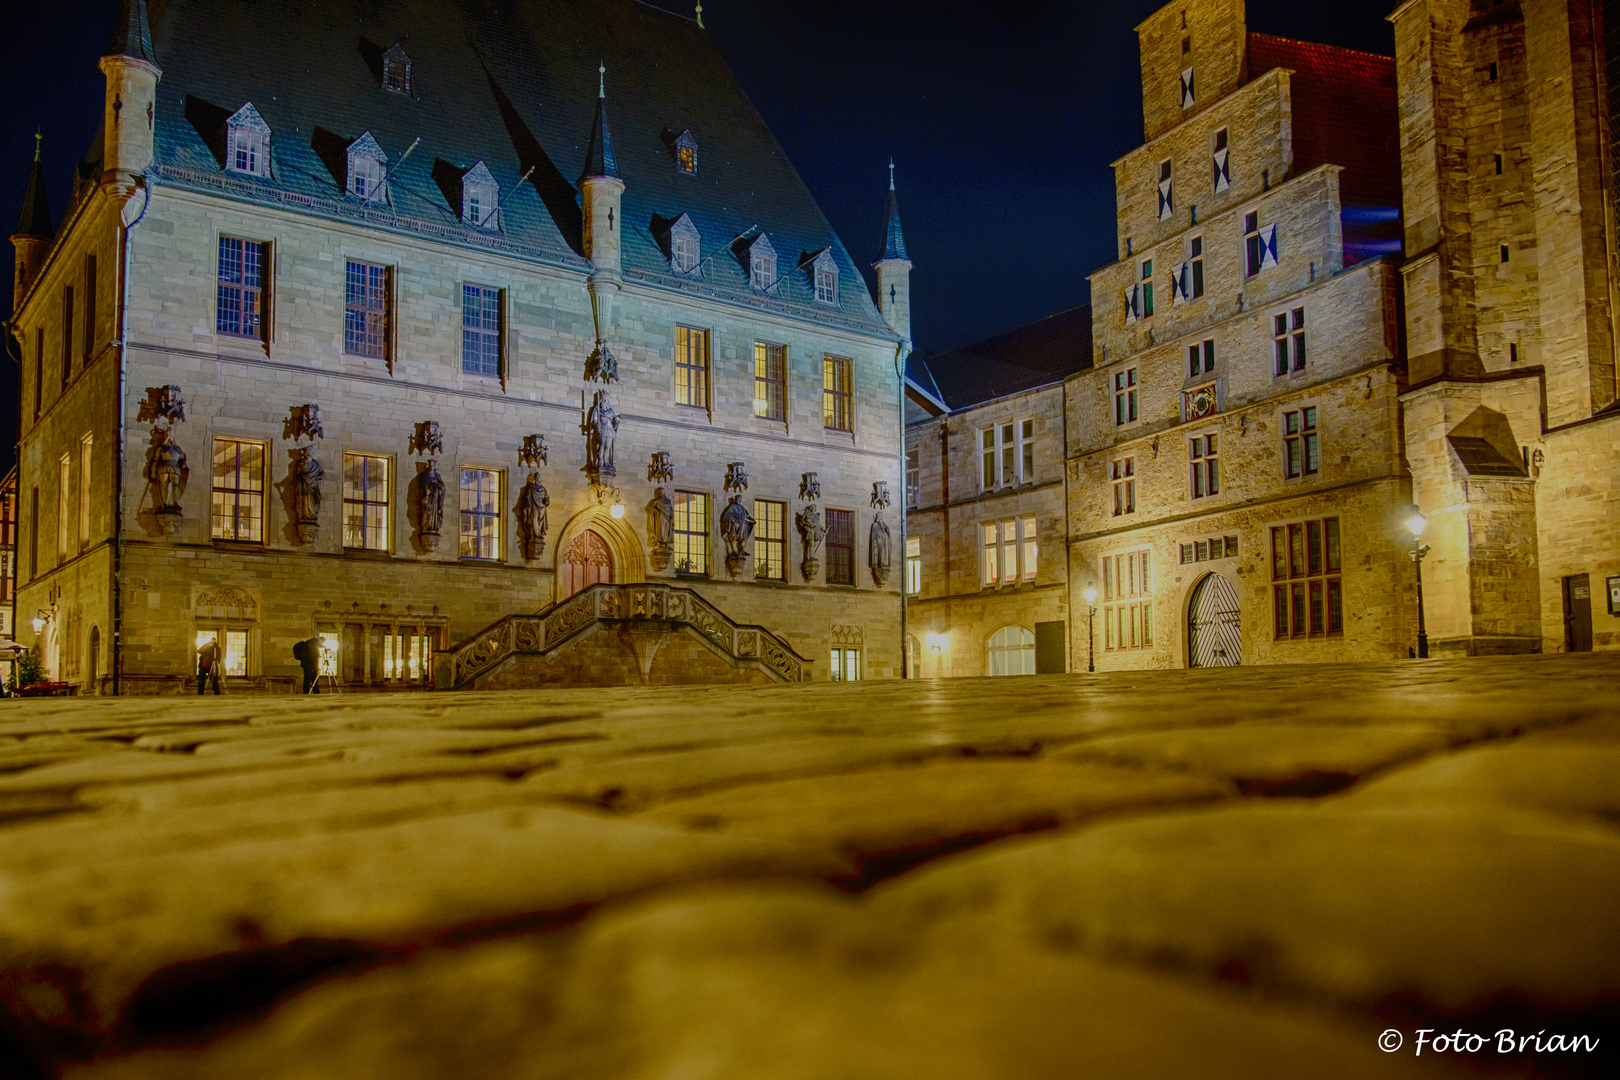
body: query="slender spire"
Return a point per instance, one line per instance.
(599, 159)
(894, 241)
(700, 17)
(36, 211)
(132, 34)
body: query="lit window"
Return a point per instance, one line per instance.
(1301, 454)
(365, 502)
(64, 505)
(240, 290)
(1127, 600)
(1005, 559)
(1029, 553)
(770, 380)
(1307, 594)
(840, 547)
(692, 532)
(845, 665)
(1205, 466)
(838, 393)
(247, 142)
(480, 330)
(691, 367)
(1216, 547)
(1288, 341)
(238, 503)
(913, 565)
(913, 474)
(1011, 652)
(232, 645)
(1123, 473)
(686, 153)
(366, 303)
(1007, 455)
(397, 71)
(770, 540)
(1125, 396)
(480, 514)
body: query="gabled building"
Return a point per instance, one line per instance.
(1235, 461)
(488, 347)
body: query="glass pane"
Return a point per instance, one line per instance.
(1299, 609)
(1335, 605)
(1280, 611)
(1313, 546)
(1279, 554)
(1296, 551)
(1331, 528)
(1316, 607)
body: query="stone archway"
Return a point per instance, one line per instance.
(1214, 624)
(595, 538)
(586, 561)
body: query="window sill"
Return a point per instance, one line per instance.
(225, 544)
(691, 575)
(368, 553)
(481, 559)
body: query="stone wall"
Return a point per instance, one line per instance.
(1578, 521)
(1215, 34)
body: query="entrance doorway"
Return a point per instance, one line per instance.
(1214, 626)
(1577, 613)
(585, 561)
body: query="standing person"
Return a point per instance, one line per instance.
(308, 655)
(208, 666)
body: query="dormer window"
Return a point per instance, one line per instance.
(684, 244)
(824, 275)
(480, 198)
(247, 142)
(397, 71)
(367, 169)
(762, 263)
(686, 154)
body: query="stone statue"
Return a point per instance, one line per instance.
(736, 528)
(661, 528)
(531, 517)
(307, 477)
(166, 469)
(430, 487)
(601, 433)
(878, 551)
(811, 533)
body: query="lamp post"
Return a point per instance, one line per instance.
(1417, 523)
(1091, 625)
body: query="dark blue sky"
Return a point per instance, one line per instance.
(1002, 120)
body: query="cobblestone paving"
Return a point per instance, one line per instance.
(1242, 873)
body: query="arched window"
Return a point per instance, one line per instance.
(1012, 652)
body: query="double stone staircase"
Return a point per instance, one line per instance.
(644, 617)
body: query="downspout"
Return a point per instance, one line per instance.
(1068, 551)
(900, 355)
(117, 664)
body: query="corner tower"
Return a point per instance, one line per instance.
(132, 77)
(894, 269)
(33, 236)
(601, 190)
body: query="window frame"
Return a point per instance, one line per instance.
(1290, 351)
(691, 369)
(1201, 358)
(1301, 436)
(1307, 579)
(1204, 465)
(233, 297)
(770, 540)
(686, 539)
(913, 476)
(1195, 259)
(1221, 141)
(1127, 600)
(842, 660)
(913, 565)
(237, 494)
(1122, 476)
(1009, 552)
(64, 507)
(1167, 195)
(774, 385)
(86, 464)
(1125, 386)
(375, 321)
(363, 497)
(489, 339)
(1147, 287)
(838, 393)
(486, 524)
(1024, 649)
(840, 548)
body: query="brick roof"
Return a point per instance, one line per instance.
(513, 86)
(1035, 354)
(1344, 114)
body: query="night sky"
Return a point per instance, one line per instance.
(1002, 120)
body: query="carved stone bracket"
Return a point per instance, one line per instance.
(533, 452)
(809, 487)
(660, 469)
(303, 422)
(162, 403)
(736, 477)
(601, 366)
(427, 439)
(880, 495)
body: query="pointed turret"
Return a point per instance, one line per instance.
(894, 269)
(132, 77)
(601, 190)
(34, 232)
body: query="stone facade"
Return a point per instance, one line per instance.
(146, 584)
(1510, 422)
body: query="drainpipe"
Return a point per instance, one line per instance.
(117, 643)
(901, 351)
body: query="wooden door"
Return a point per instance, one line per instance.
(586, 561)
(1214, 625)
(1577, 613)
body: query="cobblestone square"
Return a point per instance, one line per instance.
(1242, 872)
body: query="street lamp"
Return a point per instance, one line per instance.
(1417, 523)
(936, 645)
(1091, 625)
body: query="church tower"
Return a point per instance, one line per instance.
(894, 270)
(132, 77)
(601, 189)
(34, 233)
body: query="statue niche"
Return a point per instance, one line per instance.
(601, 430)
(306, 478)
(532, 518)
(736, 529)
(166, 470)
(430, 503)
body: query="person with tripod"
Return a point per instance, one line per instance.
(208, 666)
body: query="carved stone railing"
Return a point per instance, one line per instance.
(643, 606)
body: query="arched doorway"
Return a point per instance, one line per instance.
(585, 561)
(1214, 627)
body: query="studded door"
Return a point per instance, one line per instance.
(1214, 631)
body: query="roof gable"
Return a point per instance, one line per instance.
(248, 117)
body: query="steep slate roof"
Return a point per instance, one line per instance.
(599, 159)
(894, 241)
(132, 34)
(513, 85)
(36, 211)
(1036, 354)
(1344, 114)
